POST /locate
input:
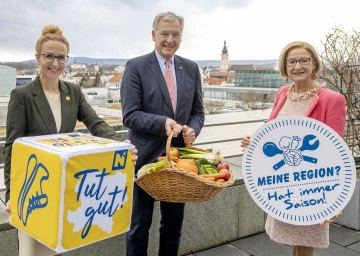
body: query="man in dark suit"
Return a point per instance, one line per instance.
(150, 111)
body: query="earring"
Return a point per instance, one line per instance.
(313, 75)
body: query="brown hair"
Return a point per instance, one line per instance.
(298, 44)
(51, 32)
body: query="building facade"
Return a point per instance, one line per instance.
(233, 93)
(7, 80)
(258, 78)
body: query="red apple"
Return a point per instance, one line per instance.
(223, 165)
(226, 174)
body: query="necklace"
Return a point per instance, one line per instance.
(292, 95)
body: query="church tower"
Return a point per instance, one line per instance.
(224, 58)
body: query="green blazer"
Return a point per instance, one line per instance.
(29, 114)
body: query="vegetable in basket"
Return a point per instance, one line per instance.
(223, 174)
(172, 158)
(187, 165)
(153, 167)
(210, 169)
(205, 167)
(191, 153)
(174, 152)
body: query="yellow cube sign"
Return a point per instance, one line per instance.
(70, 190)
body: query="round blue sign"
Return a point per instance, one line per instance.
(299, 170)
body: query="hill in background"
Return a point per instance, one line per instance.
(31, 64)
(201, 63)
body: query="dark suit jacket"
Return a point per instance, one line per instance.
(29, 114)
(146, 104)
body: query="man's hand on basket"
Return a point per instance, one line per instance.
(188, 135)
(172, 125)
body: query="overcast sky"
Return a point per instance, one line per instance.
(253, 29)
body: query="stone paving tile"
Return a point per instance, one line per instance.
(8, 243)
(336, 250)
(343, 236)
(355, 247)
(222, 250)
(4, 217)
(261, 245)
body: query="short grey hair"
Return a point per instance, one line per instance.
(168, 16)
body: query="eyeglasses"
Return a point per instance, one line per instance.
(48, 57)
(302, 61)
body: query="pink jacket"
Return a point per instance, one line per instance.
(328, 107)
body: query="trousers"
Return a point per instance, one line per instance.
(172, 215)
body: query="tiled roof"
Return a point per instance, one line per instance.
(116, 78)
(224, 73)
(242, 67)
(214, 81)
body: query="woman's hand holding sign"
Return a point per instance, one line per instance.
(245, 141)
(331, 219)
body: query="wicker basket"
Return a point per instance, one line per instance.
(179, 186)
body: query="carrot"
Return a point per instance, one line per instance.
(211, 179)
(172, 158)
(214, 175)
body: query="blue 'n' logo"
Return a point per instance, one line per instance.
(119, 161)
(291, 150)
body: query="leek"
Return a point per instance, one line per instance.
(213, 158)
(186, 151)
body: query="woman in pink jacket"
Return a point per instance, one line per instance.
(300, 63)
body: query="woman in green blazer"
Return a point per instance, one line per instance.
(48, 105)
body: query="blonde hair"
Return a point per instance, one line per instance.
(51, 32)
(298, 44)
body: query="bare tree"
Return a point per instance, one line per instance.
(341, 58)
(254, 100)
(212, 106)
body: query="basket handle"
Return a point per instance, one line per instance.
(168, 144)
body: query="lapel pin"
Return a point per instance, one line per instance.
(67, 97)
